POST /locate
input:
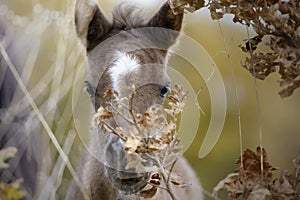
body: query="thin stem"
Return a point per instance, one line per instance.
(171, 169)
(235, 92)
(121, 115)
(162, 172)
(122, 137)
(132, 112)
(157, 186)
(166, 180)
(165, 154)
(167, 184)
(258, 115)
(201, 88)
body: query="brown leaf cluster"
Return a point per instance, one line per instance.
(150, 139)
(277, 22)
(161, 180)
(176, 101)
(178, 6)
(251, 181)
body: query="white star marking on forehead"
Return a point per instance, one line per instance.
(124, 65)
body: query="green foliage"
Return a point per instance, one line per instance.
(11, 191)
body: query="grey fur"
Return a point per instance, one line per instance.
(126, 16)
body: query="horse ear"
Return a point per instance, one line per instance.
(90, 23)
(166, 27)
(165, 18)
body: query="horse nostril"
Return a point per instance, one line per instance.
(115, 155)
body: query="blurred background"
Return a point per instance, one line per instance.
(55, 66)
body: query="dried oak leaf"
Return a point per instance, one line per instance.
(168, 130)
(261, 65)
(290, 89)
(287, 185)
(176, 101)
(149, 193)
(154, 118)
(251, 44)
(247, 181)
(156, 144)
(110, 94)
(177, 180)
(251, 168)
(231, 184)
(259, 193)
(283, 188)
(277, 19)
(132, 144)
(101, 115)
(178, 6)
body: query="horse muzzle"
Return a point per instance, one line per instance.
(128, 181)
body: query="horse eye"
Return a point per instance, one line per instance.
(90, 89)
(164, 91)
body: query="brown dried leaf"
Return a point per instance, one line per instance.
(177, 180)
(283, 186)
(230, 184)
(154, 118)
(247, 182)
(148, 193)
(178, 6)
(251, 44)
(132, 144)
(259, 193)
(169, 129)
(110, 94)
(275, 19)
(101, 115)
(251, 170)
(176, 101)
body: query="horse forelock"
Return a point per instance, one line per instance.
(127, 16)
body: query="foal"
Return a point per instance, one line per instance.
(127, 51)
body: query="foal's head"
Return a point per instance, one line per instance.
(125, 52)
